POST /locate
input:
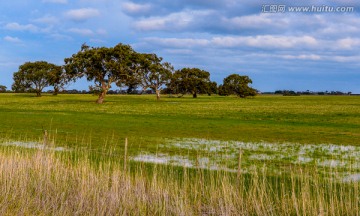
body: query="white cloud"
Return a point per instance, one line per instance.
(346, 58)
(130, 7)
(348, 43)
(18, 27)
(87, 32)
(266, 41)
(56, 1)
(47, 19)
(303, 57)
(256, 21)
(82, 14)
(81, 31)
(94, 40)
(260, 41)
(179, 51)
(12, 39)
(58, 36)
(174, 21)
(101, 32)
(178, 42)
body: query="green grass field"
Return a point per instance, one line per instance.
(146, 122)
(270, 155)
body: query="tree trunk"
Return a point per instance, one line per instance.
(56, 91)
(157, 94)
(194, 95)
(101, 98)
(38, 93)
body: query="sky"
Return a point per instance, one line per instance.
(277, 48)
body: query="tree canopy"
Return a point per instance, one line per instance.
(104, 66)
(35, 76)
(190, 80)
(121, 65)
(236, 84)
(152, 73)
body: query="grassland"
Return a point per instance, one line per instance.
(76, 119)
(298, 155)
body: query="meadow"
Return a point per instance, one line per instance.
(268, 155)
(145, 121)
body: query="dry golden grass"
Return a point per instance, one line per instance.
(41, 182)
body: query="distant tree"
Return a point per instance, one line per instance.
(34, 77)
(104, 66)
(3, 89)
(239, 85)
(190, 80)
(152, 73)
(290, 93)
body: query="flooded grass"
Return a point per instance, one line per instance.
(32, 145)
(341, 162)
(338, 160)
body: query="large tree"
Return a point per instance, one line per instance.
(191, 80)
(152, 73)
(102, 65)
(236, 84)
(34, 76)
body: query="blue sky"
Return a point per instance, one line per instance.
(284, 50)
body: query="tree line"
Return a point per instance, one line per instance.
(308, 92)
(124, 67)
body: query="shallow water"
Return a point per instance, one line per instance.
(342, 162)
(339, 160)
(32, 145)
(352, 178)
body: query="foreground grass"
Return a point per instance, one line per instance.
(40, 182)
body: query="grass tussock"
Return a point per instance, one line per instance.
(40, 182)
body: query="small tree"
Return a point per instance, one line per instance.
(3, 89)
(190, 80)
(152, 72)
(34, 77)
(236, 84)
(104, 66)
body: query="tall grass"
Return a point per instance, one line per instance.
(42, 182)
